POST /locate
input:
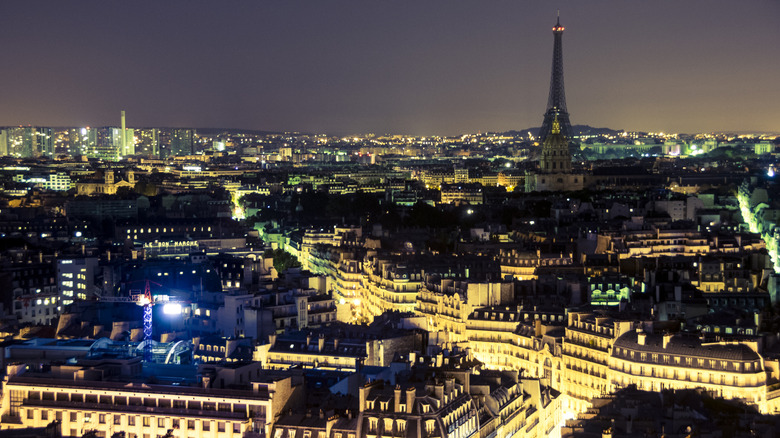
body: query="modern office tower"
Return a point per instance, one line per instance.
(201, 143)
(124, 141)
(15, 142)
(556, 102)
(182, 142)
(109, 144)
(164, 148)
(27, 142)
(74, 141)
(107, 147)
(61, 139)
(82, 141)
(118, 141)
(148, 143)
(43, 142)
(129, 142)
(3, 142)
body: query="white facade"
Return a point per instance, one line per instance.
(54, 181)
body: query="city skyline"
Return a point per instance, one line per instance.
(346, 68)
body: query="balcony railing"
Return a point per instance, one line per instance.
(140, 409)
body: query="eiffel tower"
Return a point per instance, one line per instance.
(556, 102)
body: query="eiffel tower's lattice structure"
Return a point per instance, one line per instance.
(556, 102)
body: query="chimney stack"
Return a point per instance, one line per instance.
(363, 395)
(438, 391)
(667, 338)
(123, 135)
(411, 394)
(641, 336)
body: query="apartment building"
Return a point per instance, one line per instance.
(446, 303)
(31, 288)
(461, 193)
(342, 347)
(586, 350)
(389, 285)
(520, 339)
(524, 265)
(656, 361)
(593, 354)
(419, 404)
(110, 395)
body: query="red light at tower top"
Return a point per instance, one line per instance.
(558, 27)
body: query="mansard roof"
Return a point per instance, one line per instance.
(686, 345)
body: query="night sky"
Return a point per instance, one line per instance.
(413, 67)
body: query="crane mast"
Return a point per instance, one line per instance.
(147, 302)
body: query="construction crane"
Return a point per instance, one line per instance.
(147, 301)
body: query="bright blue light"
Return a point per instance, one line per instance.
(172, 309)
